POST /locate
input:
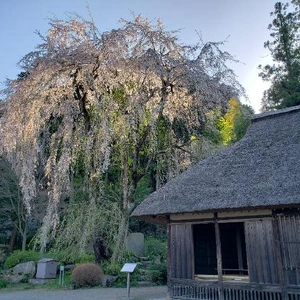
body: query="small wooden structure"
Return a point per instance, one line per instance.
(234, 218)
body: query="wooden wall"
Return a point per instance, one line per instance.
(261, 251)
(272, 245)
(181, 251)
(289, 237)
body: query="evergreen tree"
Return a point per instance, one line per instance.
(284, 74)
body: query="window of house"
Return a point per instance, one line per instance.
(233, 249)
(205, 249)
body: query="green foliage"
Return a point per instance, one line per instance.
(19, 256)
(180, 129)
(3, 284)
(87, 275)
(163, 132)
(134, 278)
(285, 51)
(233, 125)
(158, 273)
(148, 229)
(155, 248)
(101, 218)
(85, 258)
(54, 284)
(12, 209)
(143, 189)
(242, 121)
(71, 256)
(112, 268)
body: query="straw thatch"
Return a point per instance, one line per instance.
(2, 107)
(261, 170)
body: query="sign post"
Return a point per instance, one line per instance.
(128, 268)
(61, 275)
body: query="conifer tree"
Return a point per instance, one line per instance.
(284, 74)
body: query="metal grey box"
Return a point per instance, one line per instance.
(46, 268)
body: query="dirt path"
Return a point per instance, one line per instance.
(143, 293)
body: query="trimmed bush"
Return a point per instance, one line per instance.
(19, 256)
(87, 275)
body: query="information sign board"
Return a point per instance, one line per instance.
(128, 267)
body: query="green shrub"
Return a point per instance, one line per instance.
(158, 273)
(112, 268)
(88, 274)
(85, 258)
(65, 257)
(19, 256)
(155, 248)
(62, 257)
(129, 256)
(3, 284)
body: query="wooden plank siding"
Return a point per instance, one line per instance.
(261, 254)
(273, 259)
(181, 251)
(289, 236)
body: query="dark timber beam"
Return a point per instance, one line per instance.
(219, 256)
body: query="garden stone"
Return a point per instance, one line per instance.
(135, 243)
(27, 268)
(69, 267)
(157, 260)
(108, 280)
(13, 278)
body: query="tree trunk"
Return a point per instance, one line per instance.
(24, 238)
(13, 239)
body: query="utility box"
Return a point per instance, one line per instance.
(46, 268)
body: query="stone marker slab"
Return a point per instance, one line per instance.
(136, 243)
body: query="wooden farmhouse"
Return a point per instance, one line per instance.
(234, 218)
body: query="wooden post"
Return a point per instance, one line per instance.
(219, 257)
(169, 260)
(239, 250)
(279, 255)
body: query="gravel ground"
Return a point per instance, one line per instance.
(142, 293)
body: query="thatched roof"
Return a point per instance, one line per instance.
(261, 170)
(1, 107)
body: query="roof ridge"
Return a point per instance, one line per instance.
(275, 113)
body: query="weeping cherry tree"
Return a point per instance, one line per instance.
(91, 109)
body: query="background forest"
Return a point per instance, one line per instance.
(98, 120)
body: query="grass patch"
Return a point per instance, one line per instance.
(50, 284)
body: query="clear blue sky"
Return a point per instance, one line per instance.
(243, 22)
